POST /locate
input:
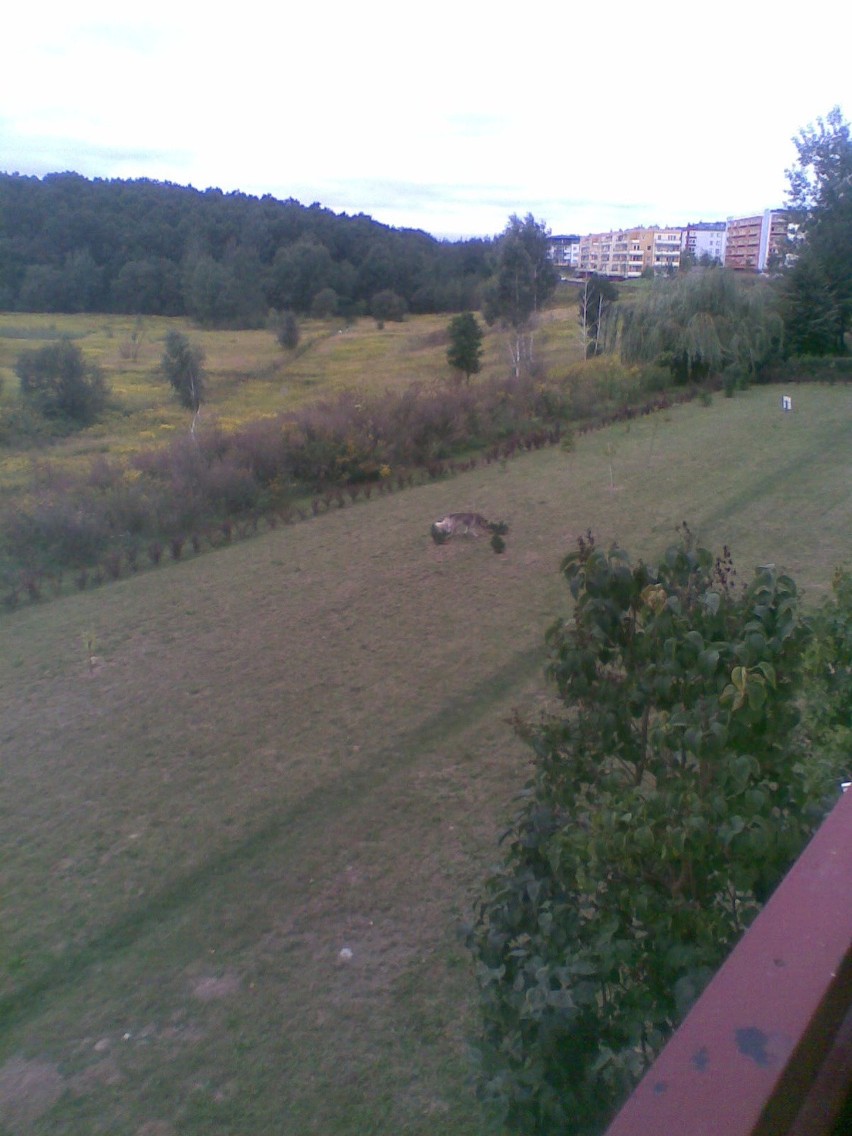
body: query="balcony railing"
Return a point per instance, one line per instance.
(767, 1049)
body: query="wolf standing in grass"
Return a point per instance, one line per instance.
(469, 524)
(455, 524)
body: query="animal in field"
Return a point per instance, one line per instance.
(469, 524)
(460, 524)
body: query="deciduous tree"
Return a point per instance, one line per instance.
(820, 195)
(596, 297)
(58, 382)
(523, 280)
(299, 271)
(388, 305)
(182, 364)
(324, 304)
(809, 308)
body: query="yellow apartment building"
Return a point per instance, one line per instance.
(626, 253)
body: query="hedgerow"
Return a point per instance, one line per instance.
(334, 450)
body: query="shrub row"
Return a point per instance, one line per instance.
(115, 517)
(811, 369)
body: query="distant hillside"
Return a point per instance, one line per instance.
(143, 247)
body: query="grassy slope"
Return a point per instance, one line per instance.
(297, 744)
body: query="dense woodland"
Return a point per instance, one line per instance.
(143, 247)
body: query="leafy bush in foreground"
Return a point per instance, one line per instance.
(667, 801)
(828, 677)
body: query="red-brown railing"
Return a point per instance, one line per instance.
(767, 1049)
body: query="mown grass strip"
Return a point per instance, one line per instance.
(337, 794)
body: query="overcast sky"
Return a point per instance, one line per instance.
(447, 116)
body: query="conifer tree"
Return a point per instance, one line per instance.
(465, 350)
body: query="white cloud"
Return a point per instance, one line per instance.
(447, 120)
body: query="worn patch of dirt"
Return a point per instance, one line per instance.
(210, 987)
(27, 1090)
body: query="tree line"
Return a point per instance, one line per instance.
(68, 244)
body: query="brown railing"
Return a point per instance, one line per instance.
(767, 1049)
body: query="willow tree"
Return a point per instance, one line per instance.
(701, 324)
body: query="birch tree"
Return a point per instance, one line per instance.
(523, 280)
(183, 365)
(595, 300)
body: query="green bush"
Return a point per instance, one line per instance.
(668, 799)
(58, 383)
(828, 685)
(56, 532)
(22, 425)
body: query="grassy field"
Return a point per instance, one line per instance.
(249, 375)
(218, 775)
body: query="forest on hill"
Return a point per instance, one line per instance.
(68, 244)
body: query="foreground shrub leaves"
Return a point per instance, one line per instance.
(668, 799)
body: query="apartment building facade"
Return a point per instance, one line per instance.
(753, 243)
(564, 251)
(748, 244)
(667, 246)
(627, 253)
(705, 239)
